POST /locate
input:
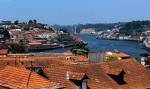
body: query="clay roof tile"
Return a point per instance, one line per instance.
(21, 78)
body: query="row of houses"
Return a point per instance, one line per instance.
(18, 34)
(26, 71)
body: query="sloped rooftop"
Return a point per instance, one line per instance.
(136, 76)
(21, 78)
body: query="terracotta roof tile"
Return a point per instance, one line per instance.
(97, 78)
(75, 75)
(37, 61)
(55, 68)
(82, 59)
(119, 55)
(21, 78)
(136, 76)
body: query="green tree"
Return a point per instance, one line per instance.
(5, 34)
(135, 27)
(34, 21)
(65, 37)
(30, 22)
(17, 48)
(111, 58)
(16, 22)
(80, 49)
(26, 27)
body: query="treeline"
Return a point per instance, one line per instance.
(5, 33)
(135, 27)
(28, 25)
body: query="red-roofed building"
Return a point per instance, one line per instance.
(3, 51)
(120, 74)
(147, 37)
(34, 43)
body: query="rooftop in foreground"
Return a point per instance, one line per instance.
(71, 72)
(21, 78)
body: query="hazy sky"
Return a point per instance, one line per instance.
(75, 11)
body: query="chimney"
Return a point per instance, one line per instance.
(143, 61)
(68, 76)
(84, 84)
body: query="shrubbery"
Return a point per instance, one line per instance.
(111, 58)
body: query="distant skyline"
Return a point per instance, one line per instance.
(65, 12)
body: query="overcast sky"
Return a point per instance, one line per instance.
(75, 11)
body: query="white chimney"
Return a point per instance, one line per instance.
(143, 61)
(84, 84)
(68, 76)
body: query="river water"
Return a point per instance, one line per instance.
(97, 45)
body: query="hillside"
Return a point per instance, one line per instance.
(135, 27)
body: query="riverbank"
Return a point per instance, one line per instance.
(98, 45)
(44, 47)
(119, 39)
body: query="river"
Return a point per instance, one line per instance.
(97, 45)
